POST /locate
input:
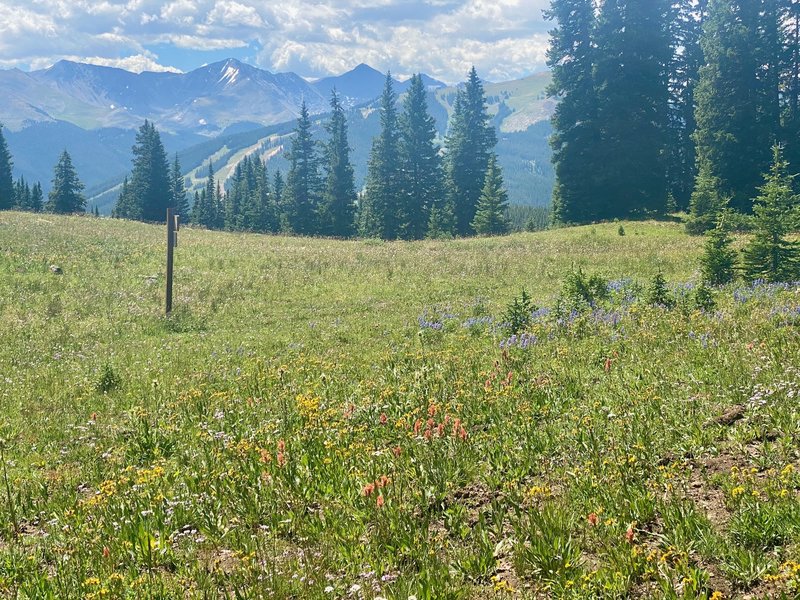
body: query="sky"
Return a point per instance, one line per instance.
(504, 39)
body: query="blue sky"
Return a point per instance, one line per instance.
(504, 39)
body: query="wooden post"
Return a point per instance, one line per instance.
(170, 248)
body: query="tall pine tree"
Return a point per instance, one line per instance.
(422, 183)
(66, 196)
(634, 54)
(301, 196)
(575, 139)
(736, 97)
(490, 216)
(178, 191)
(470, 142)
(337, 210)
(6, 178)
(379, 214)
(149, 192)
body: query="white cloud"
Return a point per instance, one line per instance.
(502, 38)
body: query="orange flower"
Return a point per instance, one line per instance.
(379, 501)
(592, 518)
(629, 534)
(384, 419)
(281, 446)
(281, 459)
(462, 433)
(265, 456)
(93, 417)
(417, 426)
(397, 450)
(106, 552)
(368, 489)
(607, 365)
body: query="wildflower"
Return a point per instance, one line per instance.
(417, 426)
(717, 595)
(106, 552)
(462, 433)
(384, 419)
(281, 459)
(592, 518)
(265, 456)
(368, 489)
(380, 501)
(281, 446)
(440, 430)
(93, 417)
(607, 365)
(397, 450)
(629, 533)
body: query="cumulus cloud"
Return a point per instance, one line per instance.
(502, 38)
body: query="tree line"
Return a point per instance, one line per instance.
(66, 195)
(414, 188)
(665, 102)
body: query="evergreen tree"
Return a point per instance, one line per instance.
(469, 144)
(22, 194)
(278, 186)
(770, 255)
(442, 221)
(718, 262)
(631, 78)
(490, 216)
(789, 17)
(379, 213)
(125, 207)
(149, 192)
(301, 196)
(687, 58)
(66, 196)
(337, 210)
(422, 166)
(576, 152)
(178, 190)
(706, 203)
(37, 198)
(204, 212)
(735, 97)
(6, 178)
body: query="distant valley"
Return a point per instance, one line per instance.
(227, 110)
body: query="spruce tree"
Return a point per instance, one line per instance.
(301, 196)
(149, 190)
(6, 178)
(37, 198)
(178, 191)
(422, 183)
(22, 194)
(490, 216)
(126, 206)
(770, 255)
(718, 262)
(736, 99)
(204, 212)
(66, 195)
(631, 78)
(706, 203)
(469, 143)
(571, 57)
(441, 221)
(338, 206)
(379, 213)
(687, 58)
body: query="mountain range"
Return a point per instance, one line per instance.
(226, 110)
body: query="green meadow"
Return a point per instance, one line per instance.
(351, 419)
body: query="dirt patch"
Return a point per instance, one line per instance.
(218, 560)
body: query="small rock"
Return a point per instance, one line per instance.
(55, 269)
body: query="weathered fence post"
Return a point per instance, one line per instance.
(172, 227)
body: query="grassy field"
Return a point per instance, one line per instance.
(325, 419)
